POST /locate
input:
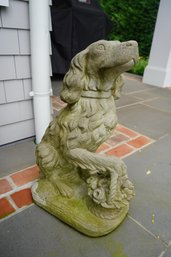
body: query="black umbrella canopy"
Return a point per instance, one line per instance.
(75, 24)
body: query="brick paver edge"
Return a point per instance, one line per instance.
(17, 189)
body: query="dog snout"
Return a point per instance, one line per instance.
(128, 43)
(131, 43)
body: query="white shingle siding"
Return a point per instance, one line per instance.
(4, 3)
(50, 21)
(50, 46)
(16, 111)
(23, 69)
(16, 15)
(14, 90)
(16, 131)
(7, 68)
(0, 19)
(2, 93)
(24, 42)
(9, 42)
(27, 88)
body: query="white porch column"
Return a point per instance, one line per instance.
(39, 35)
(158, 71)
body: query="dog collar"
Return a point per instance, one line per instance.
(96, 94)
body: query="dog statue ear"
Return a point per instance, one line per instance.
(74, 79)
(118, 84)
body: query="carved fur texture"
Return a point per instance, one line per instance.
(66, 153)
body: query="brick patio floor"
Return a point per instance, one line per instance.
(15, 193)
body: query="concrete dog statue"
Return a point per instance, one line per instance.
(69, 165)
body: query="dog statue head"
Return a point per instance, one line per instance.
(112, 54)
(99, 68)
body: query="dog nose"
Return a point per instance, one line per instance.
(129, 43)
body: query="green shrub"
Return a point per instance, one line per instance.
(140, 66)
(132, 19)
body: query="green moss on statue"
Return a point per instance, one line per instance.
(88, 191)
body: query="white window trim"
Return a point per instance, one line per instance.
(4, 3)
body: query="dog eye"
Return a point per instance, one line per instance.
(101, 47)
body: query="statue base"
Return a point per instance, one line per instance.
(79, 210)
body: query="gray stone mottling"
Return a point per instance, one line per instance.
(167, 253)
(36, 233)
(153, 191)
(16, 157)
(146, 120)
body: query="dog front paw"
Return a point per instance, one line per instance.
(64, 189)
(47, 156)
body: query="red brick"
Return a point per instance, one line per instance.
(22, 198)
(57, 106)
(120, 151)
(5, 208)
(4, 186)
(126, 131)
(25, 176)
(140, 141)
(57, 102)
(102, 148)
(117, 139)
(58, 99)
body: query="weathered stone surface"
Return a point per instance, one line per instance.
(88, 191)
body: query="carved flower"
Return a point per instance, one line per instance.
(103, 182)
(99, 195)
(97, 188)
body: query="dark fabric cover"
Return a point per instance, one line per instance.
(75, 24)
